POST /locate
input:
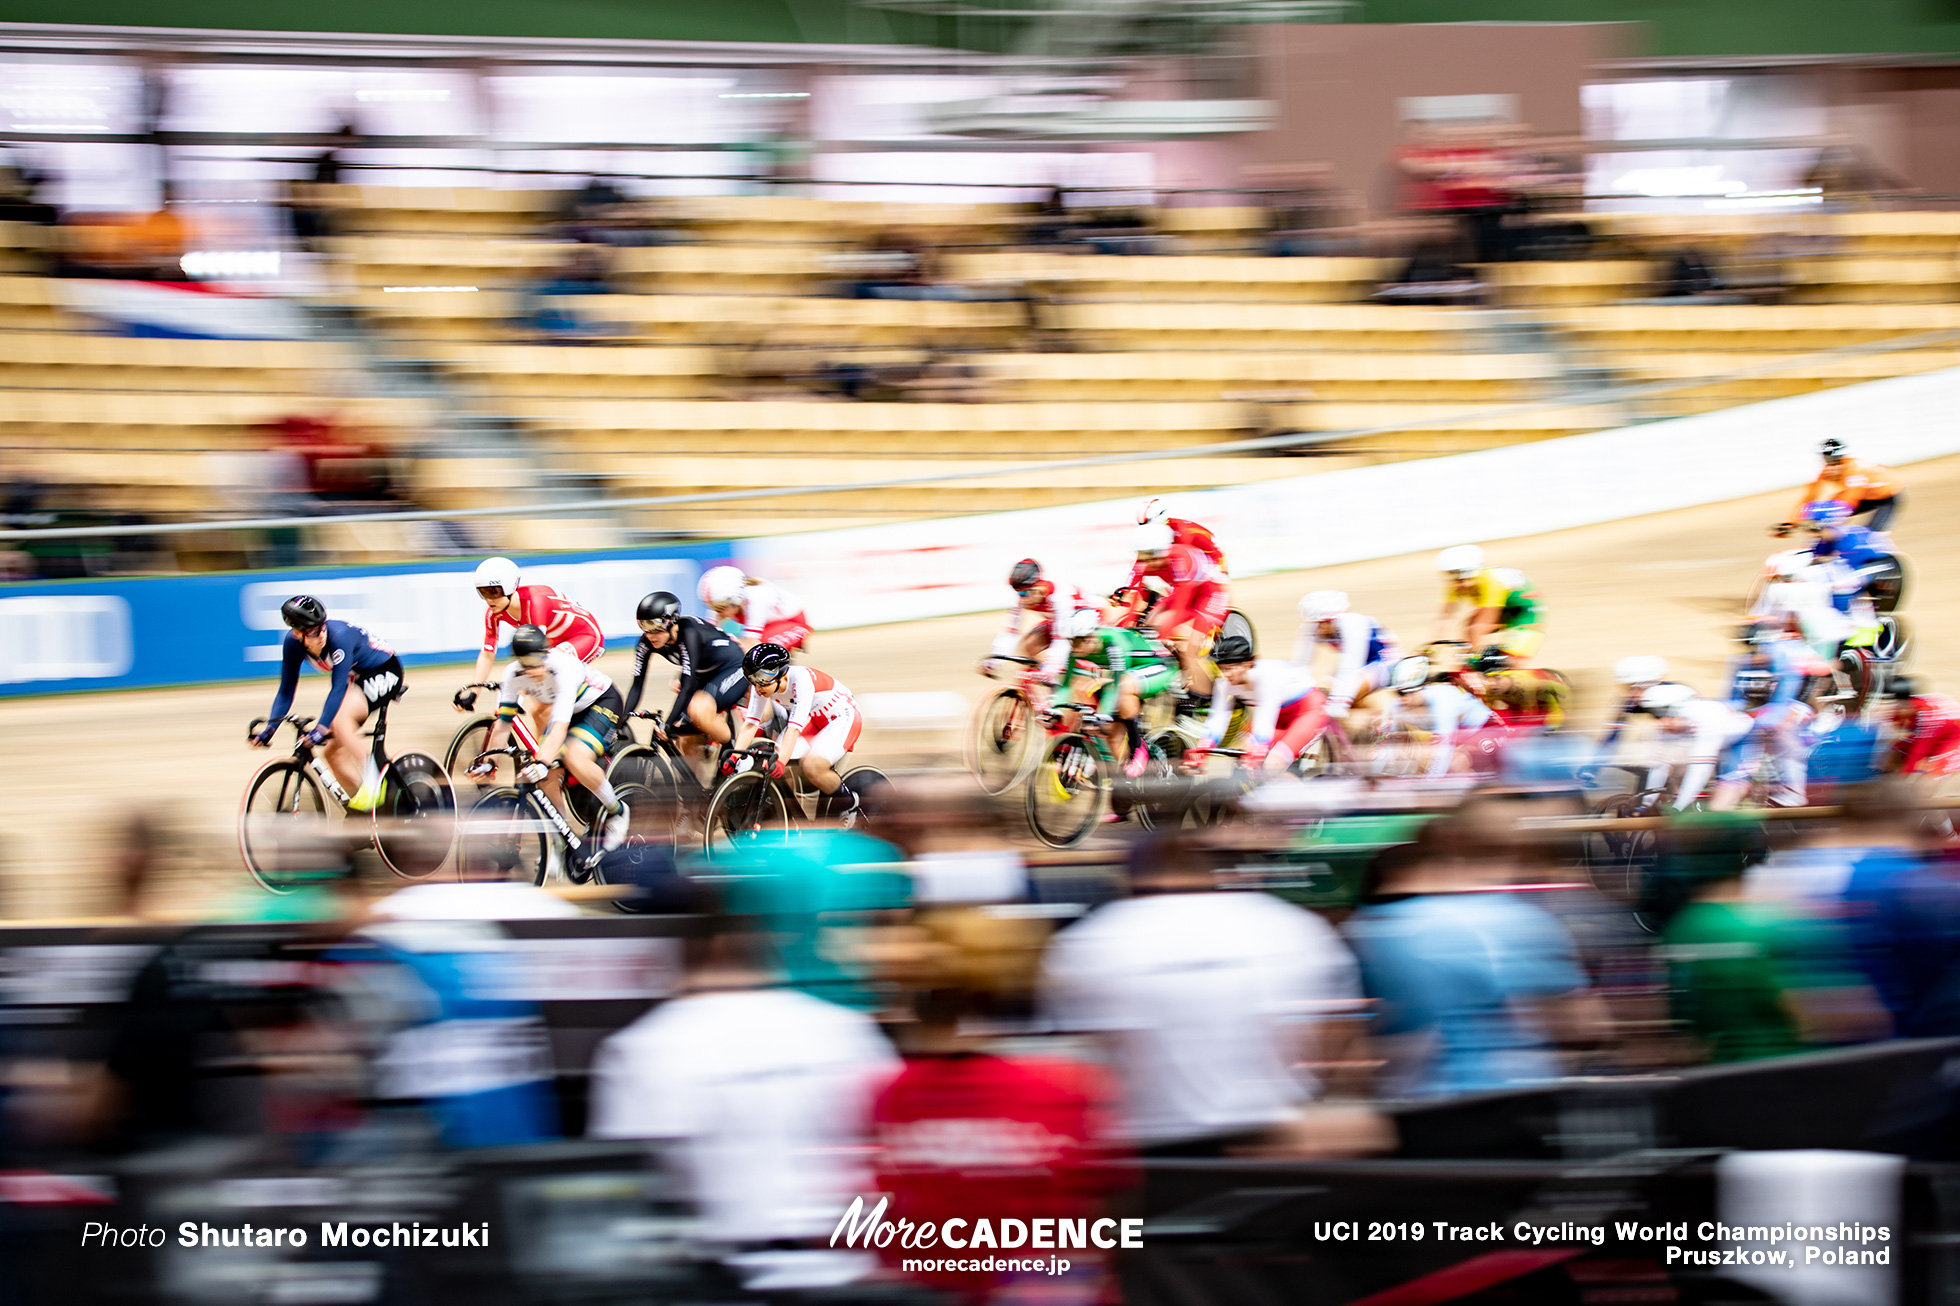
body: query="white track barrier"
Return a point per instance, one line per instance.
(907, 570)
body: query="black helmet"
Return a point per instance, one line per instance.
(659, 606)
(1025, 573)
(1901, 687)
(1832, 450)
(1755, 687)
(1231, 649)
(303, 612)
(529, 641)
(765, 662)
(1489, 662)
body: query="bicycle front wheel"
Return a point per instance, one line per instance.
(999, 740)
(415, 821)
(748, 811)
(281, 802)
(464, 746)
(1067, 792)
(503, 839)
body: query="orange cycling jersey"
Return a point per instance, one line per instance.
(1852, 481)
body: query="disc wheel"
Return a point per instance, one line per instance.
(470, 739)
(874, 794)
(1237, 623)
(280, 802)
(415, 821)
(503, 839)
(748, 812)
(1000, 740)
(1067, 792)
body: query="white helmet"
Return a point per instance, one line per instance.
(721, 585)
(1154, 538)
(1792, 563)
(1644, 670)
(1080, 623)
(500, 573)
(1409, 675)
(1460, 558)
(1323, 605)
(1151, 512)
(1665, 699)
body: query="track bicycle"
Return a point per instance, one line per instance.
(750, 809)
(999, 746)
(517, 832)
(414, 823)
(1079, 778)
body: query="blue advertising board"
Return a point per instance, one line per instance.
(59, 637)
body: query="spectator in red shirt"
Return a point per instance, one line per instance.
(966, 1135)
(1928, 727)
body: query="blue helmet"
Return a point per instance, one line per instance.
(1826, 512)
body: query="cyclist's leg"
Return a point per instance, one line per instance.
(710, 706)
(346, 752)
(819, 754)
(1035, 641)
(1299, 725)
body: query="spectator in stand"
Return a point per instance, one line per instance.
(582, 272)
(1752, 977)
(965, 1133)
(1211, 1005)
(1478, 988)
(1460, 171)
(764, 1094)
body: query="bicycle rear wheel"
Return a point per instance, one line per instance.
(1621, 862)
(470, 739)
(1237, 623)
(1067, 791)
(1860, 678)
(748, 812)
(874, 794)
(282, 801)
(999, 740)
(415, 821)
(503, 839)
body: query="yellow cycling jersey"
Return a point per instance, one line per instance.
(1494, 587)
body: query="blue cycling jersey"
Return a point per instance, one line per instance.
(350, 651)
(1857, 545)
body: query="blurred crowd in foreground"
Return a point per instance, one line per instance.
(912, 1009)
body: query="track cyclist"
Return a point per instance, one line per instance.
(1125, 667)
(1289, 711)
(1865, 487)
(1049, 602)
(1184, 531)
(710, 684)
(1502, 603)
(507, 601)
(819, 718)
(1711, 728)
(1926, 727)
(1524, 698)
(1780, 733)
(1460, 722)
(754, 611)
(1365, 650)
(1193, 610)
(586, 713)
(348, 655)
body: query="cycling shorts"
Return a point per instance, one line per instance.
(1152, 678)
(790, 632)
(590, 645)
(1300, 723)
(838, 737)
(383, 682)
(1203, 610)
(597, 725)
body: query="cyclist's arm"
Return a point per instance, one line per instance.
(1704, 747)
(1265, 712)
(1446, 715)
(642, 659)
(486, 657)
(1010, 634)
(507, 710)
(291, 654)
(1353, 660)
(343, 667)
(1219, 719)
(1304, 644)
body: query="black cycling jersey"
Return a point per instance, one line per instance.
(703, 653)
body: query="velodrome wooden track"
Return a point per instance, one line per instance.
(73, 769)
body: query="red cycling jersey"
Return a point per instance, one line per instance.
(564, 621)
(1933, 747)
(1198, 537)
(1198, 584)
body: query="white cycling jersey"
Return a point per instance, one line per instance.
(763, 603)
(570, 687)
(813, 701)
(1274, 684)
(1444, 710)
(1364, 650)
(1713, 728)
